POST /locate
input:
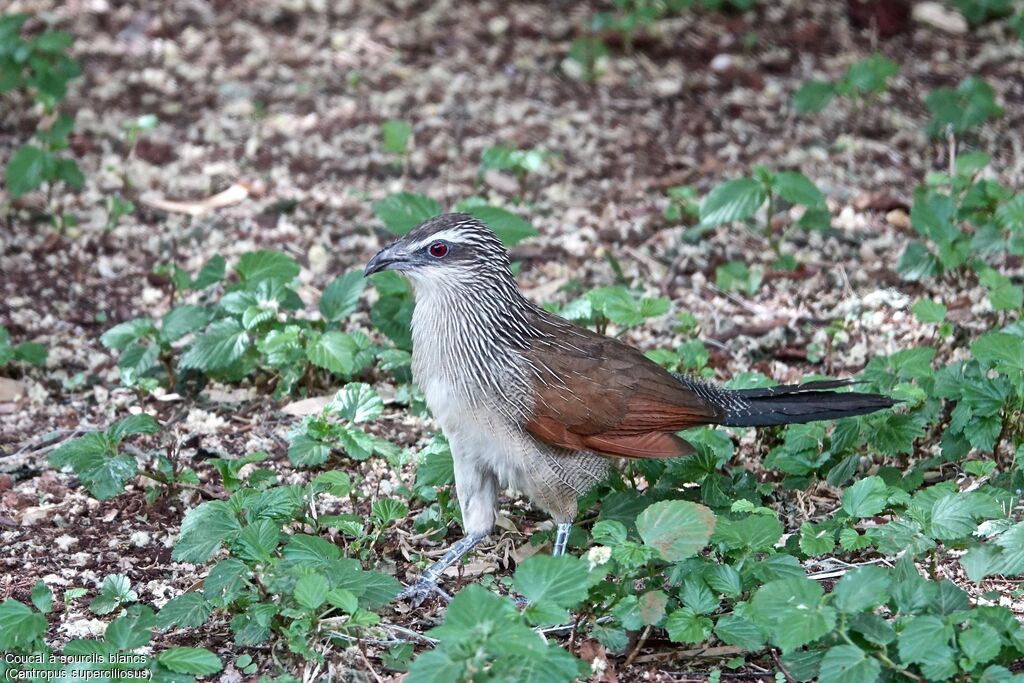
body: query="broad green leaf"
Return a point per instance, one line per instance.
(686, 626)
(861, 589)
(731, 201)
(105, 476)
(121, 335)
(28, 168)
(865, 498)
(188, 610)
(917, 262)
(387, 510)
(562, 581)
(131, 425)
(183, 320)
(334, 351)
(311, 590)
(870, 75)
(222, 344)
(677, 529)
(131, 631)
(981, 642)
(396, 135)
(341, 296)
(1001, 351)
(755, 532)
(928, 311)
(816, 539)
(812, 97)
(734, 629)
(257, 542)
(203, 530)
(197, 661)
(796, 188)
(848, 664)
(32, 353)
(266, 264)
(923, 639)
(310, 550)
(357, 402)
(307, 451)
(20, 626)
(402, 211)
(42, 597)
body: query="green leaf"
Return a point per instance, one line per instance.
(753, 532)
(32, 353)
(848, 664)
(334, 351)
(310, 550)
(19, 625)
(816, 539)
(1000, 351)
(731, 201)
(734, 629)
(105, 477)
(796, 188)
(928, 311)
(258, 541)
(131, 425)
(677, 529)
(211, 273)
(917, 262)
(562, 581)
(865, 498)
(387, 510)
(869, 75)
(307, 451)
(861, 589)
(952, 518)
(224, 342)
(188, 610)
(686, 626)
(28, 168)
(924, 639)
(396, 135)
(68, 171)
(357, 402)
(182, 320)
(121, 335)
(812, 97)
(341, 297)
(335, 482)
(510, 228)
(197, 661)
(791, 609)
(735, 276)
(42, 597)
(402, 211)
(203, 530)
(311, 590)
(225, 581)
(1010, 215)
(256, 266)
(980, 642)
(132, 630)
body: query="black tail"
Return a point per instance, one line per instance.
(790, 403)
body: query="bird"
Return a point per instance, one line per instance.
(530, 401)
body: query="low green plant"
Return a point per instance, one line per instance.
(682, 203)
(277, 582)
(250, 329)
(521, 163)
(32, 353)
(396, 136)
(863, 82)
(956, 111)
(104, 468)
(616, 305)
(40, 66)
(741, 199)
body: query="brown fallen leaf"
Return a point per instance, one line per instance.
(307, 406)
(233, 195)
(11, 390)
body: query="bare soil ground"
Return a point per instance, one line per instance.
(287, 98)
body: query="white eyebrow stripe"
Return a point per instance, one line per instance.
(453, 235)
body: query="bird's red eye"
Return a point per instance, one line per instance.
(438, 249)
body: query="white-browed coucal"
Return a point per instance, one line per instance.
(531, 401)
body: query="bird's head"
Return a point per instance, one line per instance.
(453, 250)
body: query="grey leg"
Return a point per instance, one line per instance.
(427, 583)
(561, 539)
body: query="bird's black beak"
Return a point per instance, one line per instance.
(389, 258)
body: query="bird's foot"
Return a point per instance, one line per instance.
(418, 592)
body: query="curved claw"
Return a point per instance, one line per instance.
(418, 592)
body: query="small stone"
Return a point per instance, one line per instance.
(722, 63)
(938, 15)
(898, 218)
